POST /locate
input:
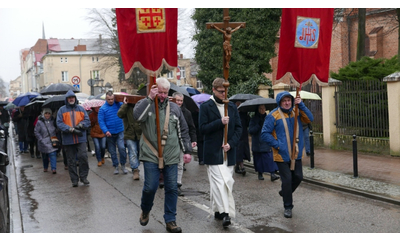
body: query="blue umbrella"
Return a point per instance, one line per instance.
(192, 91)
(24, 98)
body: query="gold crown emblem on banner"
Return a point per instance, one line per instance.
(150, 20)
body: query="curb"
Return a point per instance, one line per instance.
(352, 191)
(345, 189)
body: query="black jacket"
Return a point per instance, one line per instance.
(211, 127)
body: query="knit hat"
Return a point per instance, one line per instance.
(46, 110)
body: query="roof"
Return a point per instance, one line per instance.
(68, 45)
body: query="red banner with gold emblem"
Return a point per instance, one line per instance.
(305, 43)
(148, 38)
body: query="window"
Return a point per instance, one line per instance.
(183, 73)
(92, 59)
(95, 74)
(199, 84)
(64, 76)
(66, 59)
(95, 59)
(170, 75)
(61, 59)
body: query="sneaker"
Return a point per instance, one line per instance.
(172, 228)
(136, 174)
(124, 170)
(144, 218)
(287, 213)
(93, 153)
(99, 164)
(274, 177)
(116, 171)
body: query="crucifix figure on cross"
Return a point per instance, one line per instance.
(227, 28)
(227, 41)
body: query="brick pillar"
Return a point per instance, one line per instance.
(328, 111)
(263, 90)
(393, 89)
(280, 87)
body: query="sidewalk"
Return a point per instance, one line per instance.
(378, 175)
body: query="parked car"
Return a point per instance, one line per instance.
(4, 198)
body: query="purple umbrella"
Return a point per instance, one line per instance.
(200, 98)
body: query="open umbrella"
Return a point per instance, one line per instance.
(25, 98)
(252, 105)
(54, 102)
(3, 103)
(34, 107)
(192, 91)
(243, 97)
(82, 97)
(58, 88)
(93, 103)
(188, 102)
(200, 98)
(9, 106)
(306, 95)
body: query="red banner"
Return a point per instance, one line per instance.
(148, 38)
(305, 43)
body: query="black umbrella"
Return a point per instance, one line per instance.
(243, 97)
(58, 88)
(252, 105)
(34, 107)
(54, 102)
(188, 102)
(3, 103)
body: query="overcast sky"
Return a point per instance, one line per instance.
(21, 28)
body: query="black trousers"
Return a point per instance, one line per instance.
(77, 152)
(290, 181)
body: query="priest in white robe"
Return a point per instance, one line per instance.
(220, 169)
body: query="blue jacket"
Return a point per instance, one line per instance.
(273, 131)
(109, 120)
(69, 116)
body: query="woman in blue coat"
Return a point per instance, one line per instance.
(262, 153)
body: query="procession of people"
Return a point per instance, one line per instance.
(131, 129)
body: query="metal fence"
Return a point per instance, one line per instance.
(362, 108)
(315, 106)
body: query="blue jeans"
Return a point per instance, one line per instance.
(53, 160)
(133, 152)
(23, 146)
(99, 147)
(151, 176)
(117, 140)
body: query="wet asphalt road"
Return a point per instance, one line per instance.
(47, 203)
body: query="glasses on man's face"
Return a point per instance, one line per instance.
(220, 91)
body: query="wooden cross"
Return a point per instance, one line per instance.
(227, 28)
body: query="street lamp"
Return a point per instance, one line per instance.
(95, 83)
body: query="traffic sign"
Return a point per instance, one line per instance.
(77, 86)
(178, 73)
(75, 80)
